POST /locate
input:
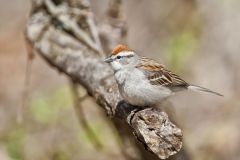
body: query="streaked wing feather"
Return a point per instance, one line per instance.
(158, 75)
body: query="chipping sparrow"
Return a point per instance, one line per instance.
(143, 81)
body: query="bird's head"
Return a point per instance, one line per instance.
(122, 57)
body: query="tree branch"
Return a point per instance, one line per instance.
(63, 36)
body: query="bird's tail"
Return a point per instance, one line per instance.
(201, 89)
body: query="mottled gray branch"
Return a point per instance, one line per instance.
(66, 39)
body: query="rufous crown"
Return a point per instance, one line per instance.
(119, 48)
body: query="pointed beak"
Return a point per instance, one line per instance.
(108, 60)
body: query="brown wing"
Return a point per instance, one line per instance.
(158, 75)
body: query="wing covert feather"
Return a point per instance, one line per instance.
(157, 74)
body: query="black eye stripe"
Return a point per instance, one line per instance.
(118, 57)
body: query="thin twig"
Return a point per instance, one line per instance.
(94, 33)
(30, 57)
(114, 9)
(81, 116)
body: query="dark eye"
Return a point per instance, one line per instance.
(118, 57)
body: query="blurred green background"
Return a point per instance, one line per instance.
(198, 39)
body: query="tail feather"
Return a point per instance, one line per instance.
(201, 89)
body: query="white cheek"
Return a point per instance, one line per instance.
(116, 65)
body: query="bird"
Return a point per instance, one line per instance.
(143, 81)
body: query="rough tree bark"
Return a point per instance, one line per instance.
(65, 35)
